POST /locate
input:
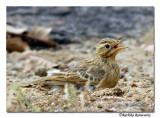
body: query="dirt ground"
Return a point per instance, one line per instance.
(134, 92)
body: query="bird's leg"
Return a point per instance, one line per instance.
(40, 86)
(86, 89)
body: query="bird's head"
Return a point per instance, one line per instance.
(108, 48)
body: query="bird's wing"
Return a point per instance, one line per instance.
(83, 73)
(63, 77)
(92, 73)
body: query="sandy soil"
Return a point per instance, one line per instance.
(134, 92)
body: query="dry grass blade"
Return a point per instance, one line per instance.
(29, 104)
(10, 96)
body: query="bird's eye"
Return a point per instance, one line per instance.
(107, 46)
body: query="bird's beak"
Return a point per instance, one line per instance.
(119, 48)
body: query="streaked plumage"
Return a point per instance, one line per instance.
(102, 70)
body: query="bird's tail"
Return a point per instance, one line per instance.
(63, 77)
(60, 78)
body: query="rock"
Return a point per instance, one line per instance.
(129, 94)
(124, 70)
(118, 92)
(122, 76)
(134, 85)
(25, 90)
(110, 110)
(41, 72)
(92, 99)
(100, 106)
(150, 48)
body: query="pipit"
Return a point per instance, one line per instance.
(101, 71)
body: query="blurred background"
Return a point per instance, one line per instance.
(71, 24)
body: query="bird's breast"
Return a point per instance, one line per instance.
(111, 76)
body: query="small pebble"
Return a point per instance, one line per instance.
(52, 103)
(118, 92)
(129, 94)
(92, 99)
(100, 106)
(134, 85)
(110, 110)
(24, 90)
(41, 72)
(125, 69)
(125, 79)
(122, 76)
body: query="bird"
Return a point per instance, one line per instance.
(101, 71)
